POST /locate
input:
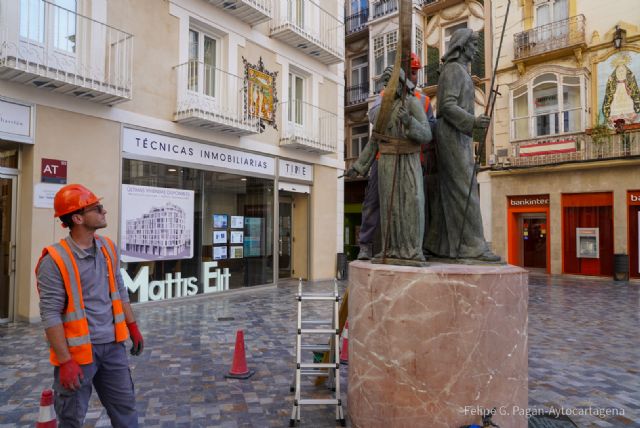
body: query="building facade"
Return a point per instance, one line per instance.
(371, 36)
(205, 126)
(564, 180)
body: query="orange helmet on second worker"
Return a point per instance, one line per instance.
(71, 198)
(415, 61)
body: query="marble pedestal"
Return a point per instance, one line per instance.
(434, 346)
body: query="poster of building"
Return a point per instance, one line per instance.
(236, 252)
(588, 242)
(219, 221)
(157, 223)
(618, 92)
(237, 222)
(219, 253)
(253, 236)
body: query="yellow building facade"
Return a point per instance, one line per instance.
(564, 187)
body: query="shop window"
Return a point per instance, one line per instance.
(551, 104)
(8, 154)
(231, 226)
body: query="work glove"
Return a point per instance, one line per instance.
(136, 338)
(70, 375)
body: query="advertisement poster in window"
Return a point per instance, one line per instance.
(237, 222)
(219, 221)
(236, 252)
(157, 223)
(253, 236)
(588, 242)
(219, 253)
(219, 236)
(236, 237)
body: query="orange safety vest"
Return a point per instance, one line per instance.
(425, 104)
(74, 319)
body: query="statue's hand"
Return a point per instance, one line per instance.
(404, 116)
(351, 173)
(482, 121)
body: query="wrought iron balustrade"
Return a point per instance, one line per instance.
(309, 127)
(575, 148)
(357, 94)
(550, 37)
(357, 21)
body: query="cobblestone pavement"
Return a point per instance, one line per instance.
(583, 339)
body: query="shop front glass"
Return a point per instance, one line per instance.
(186, 231)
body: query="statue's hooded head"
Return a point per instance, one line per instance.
(458, 43)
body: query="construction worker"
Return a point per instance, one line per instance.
(87, 317)
(371, 203)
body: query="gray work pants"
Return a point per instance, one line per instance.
(370, 207)
(109, 374)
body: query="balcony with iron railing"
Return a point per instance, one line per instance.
(212, 98)
(578, 147)
(50, 47)
(308, 127)
(382, 8)
(252, 12)
(555, 37)
(357, 22)
(305, 25)
(356, 94)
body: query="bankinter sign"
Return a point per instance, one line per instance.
(529, 201)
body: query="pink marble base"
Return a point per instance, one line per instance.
(433, 347)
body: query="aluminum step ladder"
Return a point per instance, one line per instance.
(318, 329)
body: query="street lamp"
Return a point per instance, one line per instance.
(617, 37)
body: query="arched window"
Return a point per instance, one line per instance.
(550, 104)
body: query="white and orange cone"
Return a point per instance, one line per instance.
(344, 351)
(47, 416)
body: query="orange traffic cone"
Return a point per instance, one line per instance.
(47, 416)
(344, 352)
(239, 368)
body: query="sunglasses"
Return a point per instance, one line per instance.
(99, 208)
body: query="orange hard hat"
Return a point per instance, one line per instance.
(415, 61)
(71, 198)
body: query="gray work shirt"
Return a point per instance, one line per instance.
(94, 278)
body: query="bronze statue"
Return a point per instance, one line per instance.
(400, 182)
(450, 233)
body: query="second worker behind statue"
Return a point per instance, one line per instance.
(400, 178)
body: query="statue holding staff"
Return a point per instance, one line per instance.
(451, 233)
